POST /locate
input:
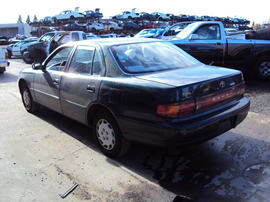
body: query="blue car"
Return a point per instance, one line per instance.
(89, 14)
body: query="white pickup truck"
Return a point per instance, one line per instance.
(3, 60)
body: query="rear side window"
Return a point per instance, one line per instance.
(81, 62)
(87, 61)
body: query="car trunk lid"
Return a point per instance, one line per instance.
(201, 88)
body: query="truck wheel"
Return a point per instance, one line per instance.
(26, 59)
(54, 19)
(262, 68)
(108, 135)
(27, 99)
(40, 58)
(9, 53)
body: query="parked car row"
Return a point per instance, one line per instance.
(90, 15)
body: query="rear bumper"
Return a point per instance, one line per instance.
(188, 132)
(4, 64)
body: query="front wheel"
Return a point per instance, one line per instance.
(108, 135)
(26, 59)
(27, 99)
(262, 68)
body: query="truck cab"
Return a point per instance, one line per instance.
(3, 60)
(205, 41)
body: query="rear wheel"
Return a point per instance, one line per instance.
(108, 135)
(262, 68)
(9, 53)
(27, 99)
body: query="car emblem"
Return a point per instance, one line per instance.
(222, 84)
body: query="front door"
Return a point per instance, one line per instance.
(209, 48)
(46, 82)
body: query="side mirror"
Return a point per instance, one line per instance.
(37, 66)
(194, 37)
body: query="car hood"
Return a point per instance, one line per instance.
(191, 75)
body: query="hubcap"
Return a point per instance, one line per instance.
(26, 99)
(265, 68)
(105, 134)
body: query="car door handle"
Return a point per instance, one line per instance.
(90, 89)
(56, 81)
(218, 43)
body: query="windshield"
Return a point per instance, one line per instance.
(149, 57)
(185, 32)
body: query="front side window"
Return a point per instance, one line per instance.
(58, 61)
(47, 37)
(150, 57)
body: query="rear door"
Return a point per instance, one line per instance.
(80, 85)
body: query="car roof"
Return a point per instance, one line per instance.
(116, 41)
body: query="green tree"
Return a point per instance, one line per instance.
(20, 19)
(35, 19)
(257, 26)
(28, 21)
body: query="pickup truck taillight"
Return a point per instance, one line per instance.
(200, 104)
(6, 55)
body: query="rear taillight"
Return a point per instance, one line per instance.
(177, 109)
(6, 55)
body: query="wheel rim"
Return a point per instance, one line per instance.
(105, 134)
(265, 68)
(26, 99)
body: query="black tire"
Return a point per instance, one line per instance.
(9, 53)
(40, 58)
(54, 19)
(27, 99)
(262, 68)
(26, 59)
(93, 29)
(112, 29)
(108, 135)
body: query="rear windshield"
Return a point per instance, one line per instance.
(149, 57)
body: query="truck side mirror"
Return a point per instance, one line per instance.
(194, 37)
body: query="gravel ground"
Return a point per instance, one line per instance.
(259, 94)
